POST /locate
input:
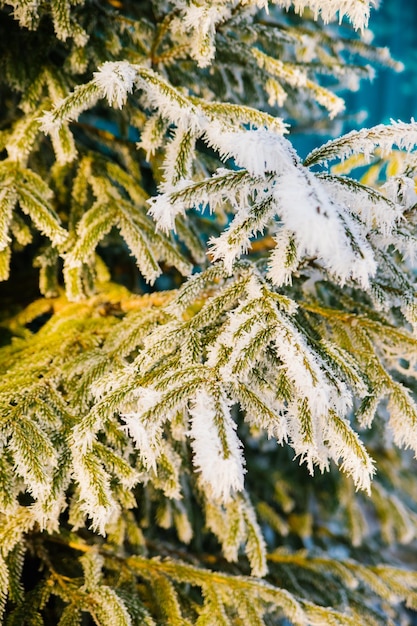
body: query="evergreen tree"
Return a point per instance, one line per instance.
(209, 347)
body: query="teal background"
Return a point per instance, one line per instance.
(391, 94)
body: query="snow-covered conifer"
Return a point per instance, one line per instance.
(208, 345)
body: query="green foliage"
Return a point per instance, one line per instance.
(188, 306)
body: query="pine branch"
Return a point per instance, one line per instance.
(365, 141)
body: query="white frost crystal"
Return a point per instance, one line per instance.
(220, 461)
(116, 80)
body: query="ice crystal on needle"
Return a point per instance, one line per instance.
(115, 80)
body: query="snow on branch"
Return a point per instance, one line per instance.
(115, 80)
(237, 114)
(145, 436)
(170, 102)
(377, 212)
(357, 11)
(258, 151)
(82, 98)
(165, 207)
(201, 19)
(365, 141)
(323, 228)
(313, 416)
(217, 449)
(275, 188)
